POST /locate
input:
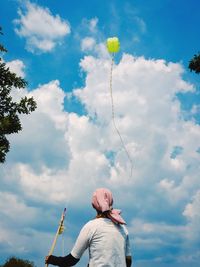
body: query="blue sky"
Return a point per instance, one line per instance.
(68, 146)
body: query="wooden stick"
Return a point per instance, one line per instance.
(57, 234)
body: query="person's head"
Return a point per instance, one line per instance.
(102, 200)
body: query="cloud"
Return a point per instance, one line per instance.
(87, 44)
(138, 22)
(192, 210)
(90, 25)
(45, 126)
(192, 213)
(60, 157)
(141, 24)
(90, 38)
(40, 28)
(93, 24)
(12, 207)
(17, 66)
(157, 237)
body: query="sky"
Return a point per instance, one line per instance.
(68, 147)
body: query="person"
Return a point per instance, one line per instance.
(106, 237)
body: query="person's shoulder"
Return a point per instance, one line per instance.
(95, 223)
(89, 227)
(90, 223)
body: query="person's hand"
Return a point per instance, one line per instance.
(46, 259)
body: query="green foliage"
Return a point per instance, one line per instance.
(9, 109)
(16, 262)
(194, 64)
(2, 49)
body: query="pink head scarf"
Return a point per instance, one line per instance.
(102, 201)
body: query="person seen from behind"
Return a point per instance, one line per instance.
(106, 237)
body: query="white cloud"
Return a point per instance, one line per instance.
(132, 14)
(50, 99)
(192, 213)
(25, 241)
(40, 28)
(153, 238)
(42, 137)
(90, 25)
(161, 231)
(93, 24)
(47, 186)
(139, 99)
(195, 109)
(141, 88)
(14, 209)
(17, 66)
(192, 210)
(141, 24)
(87, 44)
(92, 40)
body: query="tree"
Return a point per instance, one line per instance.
(16, 262)
(194, 64)
(9, 109)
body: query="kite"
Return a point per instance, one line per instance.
(113, 46)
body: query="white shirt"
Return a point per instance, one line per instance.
(108, 243)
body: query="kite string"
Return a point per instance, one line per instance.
(113, 117)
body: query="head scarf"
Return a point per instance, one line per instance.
(102, 201)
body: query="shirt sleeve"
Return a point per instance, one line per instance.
(82, 242)
(66, 261)
(127, 240)
(128, 247)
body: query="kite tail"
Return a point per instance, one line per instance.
(113, 118)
